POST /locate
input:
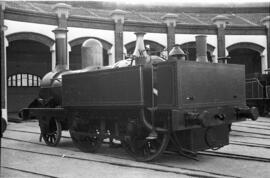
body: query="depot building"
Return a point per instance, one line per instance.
(30, 31)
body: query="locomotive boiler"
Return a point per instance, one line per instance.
(150, 105)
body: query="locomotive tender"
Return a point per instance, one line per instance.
(258, 92)
(154, 105)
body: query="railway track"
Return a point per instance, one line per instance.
(264, 121)
(234, 156)
(232, 142)
(34, 174)
(263, 134)
(250, 144)
(184, 171)
(252, 127)
(192, 172)
(205, 153)
(259, 125)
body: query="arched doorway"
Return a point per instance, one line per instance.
(250, 58)
(154, 47)
(75, 58)
(28, 61)
(248, 54)
(190, 49)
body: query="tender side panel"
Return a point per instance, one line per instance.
(187, 84)
(112, 87)
(203, 84)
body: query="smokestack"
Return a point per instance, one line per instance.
(61, 49)
(201, 52)
(92, 53)
(139, 51)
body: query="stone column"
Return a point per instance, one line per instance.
(266, 22)
(263, 63)
(4, 45)
(109, 52)
(221, 22)
(62, 61)
(119, 18)
(214, 59)
(170, 20)
(53, 56)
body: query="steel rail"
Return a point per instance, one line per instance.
(258, 126)
(263, 121)
(251, 127)
(266, 138)
(231, 143)
(38, 133)
(128, 165)
(250, 144)
(263, 134)
(234, 156)
(124, 158)
(29, 172)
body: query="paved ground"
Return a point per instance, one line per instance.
(22, 155)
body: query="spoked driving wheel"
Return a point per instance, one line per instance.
(52, 134)
(85, 136)
(142, 149)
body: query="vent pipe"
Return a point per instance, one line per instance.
(139, 51)
(201, 50)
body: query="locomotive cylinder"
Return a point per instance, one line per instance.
(201, 51)
(92, 53)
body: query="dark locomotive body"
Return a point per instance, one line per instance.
(182, 106)
(258, 92)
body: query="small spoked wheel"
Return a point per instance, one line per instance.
(143, 149)
(52, 135)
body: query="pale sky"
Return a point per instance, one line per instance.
(185, 1)
(169, 1)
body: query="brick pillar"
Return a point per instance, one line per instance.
(4, 44)
(220, 22)
(119, 18)
(61, 61)
(170, 20)
(266, 22)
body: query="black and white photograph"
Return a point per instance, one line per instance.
(135, 89)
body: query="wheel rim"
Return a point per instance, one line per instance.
(143, 149)
(146, 150)
(53, 135)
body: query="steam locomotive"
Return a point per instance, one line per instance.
(147, 103)
(258, 92)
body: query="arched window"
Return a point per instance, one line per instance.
(23, 80)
